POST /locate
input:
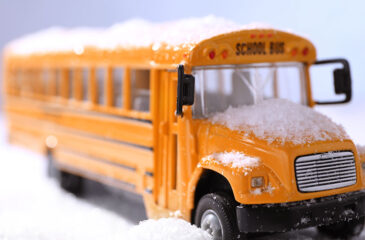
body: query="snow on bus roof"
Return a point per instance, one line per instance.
(281, 121)
(129, 34)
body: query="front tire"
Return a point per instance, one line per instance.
(216, 215)
(350, 228)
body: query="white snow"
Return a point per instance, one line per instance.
(281, 121)
(360, 149)
(132, 33)
(351, 116)
(234, 159)
(166, 229)
(176, 214)
(34, 207)
(268, 189)
(257, 191)
(305, 220)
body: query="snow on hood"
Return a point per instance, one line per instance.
(166, 229)
(132, 33)
(360, 149)
(281, 121)
(234, 159)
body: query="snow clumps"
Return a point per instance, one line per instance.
(166, 229)
(258, 191)
(134, 33)
(281, 121)
(360, 149)
(234, 159)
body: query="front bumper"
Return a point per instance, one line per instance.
(296, 215)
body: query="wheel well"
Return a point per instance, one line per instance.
(210, 182)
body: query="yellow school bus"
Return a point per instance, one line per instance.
(197, 128)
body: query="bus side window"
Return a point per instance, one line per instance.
(100, 83)
(17, 81)
(140, 86)
(30, 82)
(117, 78)
(57, 91)
(71, 79)
(24, 88)
(45, 81)
(85, 84)
(38, 82)
(34, 82)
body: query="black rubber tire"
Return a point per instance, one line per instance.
(347, 229)
(52, 171)
(71, 183)
(224, 206)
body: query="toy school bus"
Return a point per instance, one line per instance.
(196, 128)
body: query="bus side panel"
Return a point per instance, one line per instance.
(106, 126)
(87, 154)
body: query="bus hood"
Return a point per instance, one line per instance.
(238, 157)
(281, 121)
(268, 137)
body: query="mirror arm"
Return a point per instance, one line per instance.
(185, 90)
(179, 103)
(346, 68)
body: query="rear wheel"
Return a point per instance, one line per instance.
(215, 214)
(71, 183)
(68, 182)
(344, 229)
(52, 171)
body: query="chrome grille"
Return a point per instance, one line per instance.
(324, 171)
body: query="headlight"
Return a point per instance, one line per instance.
(257, 182)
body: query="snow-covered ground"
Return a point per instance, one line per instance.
(32, 206)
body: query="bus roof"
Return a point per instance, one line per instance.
(195, 41)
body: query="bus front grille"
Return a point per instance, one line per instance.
(325, 171)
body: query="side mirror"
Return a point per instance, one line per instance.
(342, 80)
(185, 90)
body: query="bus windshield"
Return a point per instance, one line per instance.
(219, 87)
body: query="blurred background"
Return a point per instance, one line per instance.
(335, 27)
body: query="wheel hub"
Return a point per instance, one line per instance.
(211, 223)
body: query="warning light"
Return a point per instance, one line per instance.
(305, 51)
(224, 54)
(212, 54)
(269, 35)
(294, 51)
(252, 35)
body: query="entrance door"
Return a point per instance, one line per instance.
(166, 152)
